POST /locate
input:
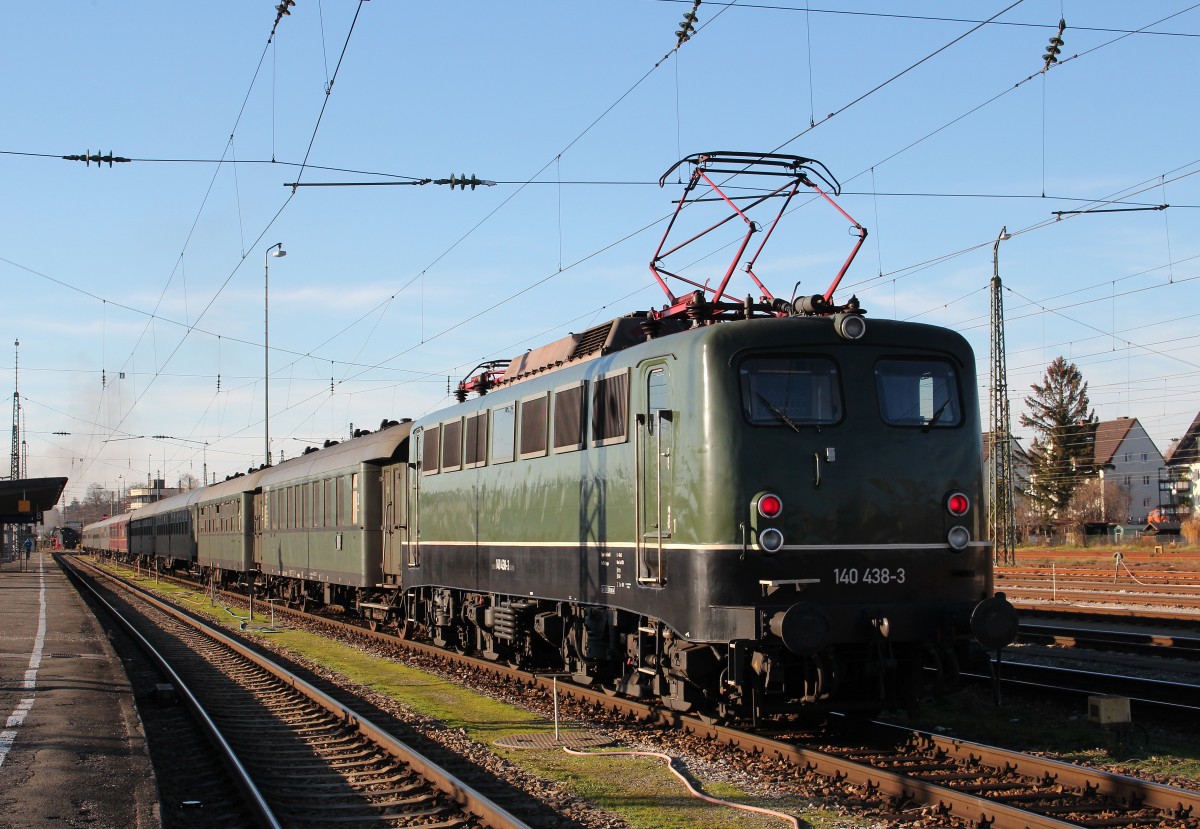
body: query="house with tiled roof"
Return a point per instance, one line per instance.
(1183, 472)
(1124, 453)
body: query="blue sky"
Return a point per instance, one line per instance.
(137, 292)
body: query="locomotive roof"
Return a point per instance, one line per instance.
(630, 331)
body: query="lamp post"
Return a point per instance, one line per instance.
(277, 251)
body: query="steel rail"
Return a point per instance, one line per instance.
(262, 812)
(1176, 803)
(1137, 614)
(465, 796)
(1158, 644)
(1151, 694)
(978, 811)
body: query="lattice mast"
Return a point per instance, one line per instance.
(15, 468)
(1001, 518)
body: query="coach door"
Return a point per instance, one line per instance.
(655, 475)
(395, 518)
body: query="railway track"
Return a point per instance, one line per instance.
(901, 772)
(299, 757)
(1148, 697)
(1155, 644)
(1119, 592)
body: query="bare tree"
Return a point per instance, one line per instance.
(1099, 500)
(97, 503)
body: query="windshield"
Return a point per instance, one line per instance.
(920, 392)
(790, 391)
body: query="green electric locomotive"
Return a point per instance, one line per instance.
(741, 508)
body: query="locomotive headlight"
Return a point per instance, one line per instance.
(771, 540)
(958, 538)
(849, 326)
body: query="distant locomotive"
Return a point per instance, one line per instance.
(68, 537)
(740, 508)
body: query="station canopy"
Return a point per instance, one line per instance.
(24, 500)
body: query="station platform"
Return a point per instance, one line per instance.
(72, 752)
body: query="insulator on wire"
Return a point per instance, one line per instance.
(687, 26)
(1056, 44)
(462, 182)
(87, 158)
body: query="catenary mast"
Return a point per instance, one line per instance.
(1001, 520)
(15, 469)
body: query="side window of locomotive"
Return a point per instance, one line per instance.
(431, 446)
(452, 432)
(790, 391)
(569, 415)
(476, 440)
(535, 426)
(610, 409)
(919, 392)
(504, 433)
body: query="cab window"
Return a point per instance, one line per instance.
(918, 392)
(790, 391)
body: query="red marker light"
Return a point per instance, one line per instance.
(770, 506)
(958, 504)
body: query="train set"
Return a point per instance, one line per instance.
(743, 508)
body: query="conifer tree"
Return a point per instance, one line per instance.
(1063, 448)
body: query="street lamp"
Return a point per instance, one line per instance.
(277, 251)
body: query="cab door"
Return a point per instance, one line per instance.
(655, 474)
(412, 549)
(395, 520)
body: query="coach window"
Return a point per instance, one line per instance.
(569, 417)
(504, 433)
(790, 391)
(342, 500)
(452, 445)
(354, 518)
(610, 409)
(476, 440)
(534, 426)
(330, 504)
(920, 392)
(431, 450)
